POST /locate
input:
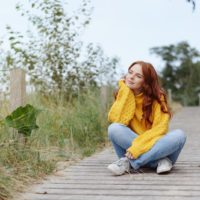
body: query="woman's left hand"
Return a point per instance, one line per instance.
(129, 155)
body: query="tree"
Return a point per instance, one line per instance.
(51, 51)
(181, 71)
(193, 2)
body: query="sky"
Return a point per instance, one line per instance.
(129, 28)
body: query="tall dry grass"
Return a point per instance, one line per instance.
(67, 131)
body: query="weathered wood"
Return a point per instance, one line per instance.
(169, 91)
(17, 88)
(107, 197)
(2, 97)
(128, 191)
(104, 97)
(17, 93)
(89, 179)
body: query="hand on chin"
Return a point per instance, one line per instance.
(131, 86)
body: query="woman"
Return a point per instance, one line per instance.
(140, 117)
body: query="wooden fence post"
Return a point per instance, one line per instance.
(17, 92)
(17, 88)
(199, 98)
(104, 97)
(2, 97)
(169, 95)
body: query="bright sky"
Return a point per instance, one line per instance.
(128, 28)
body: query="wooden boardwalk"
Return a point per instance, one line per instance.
(90, 180)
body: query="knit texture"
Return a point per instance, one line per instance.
(127, 110)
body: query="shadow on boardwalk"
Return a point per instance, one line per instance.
(90, 180)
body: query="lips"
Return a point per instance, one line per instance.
(130, 82)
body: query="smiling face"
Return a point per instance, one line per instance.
(135, 78)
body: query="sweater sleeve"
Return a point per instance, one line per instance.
(145, 141)
(122, 110)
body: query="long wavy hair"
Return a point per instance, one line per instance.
(152, 90)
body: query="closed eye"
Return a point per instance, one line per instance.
(138, 75)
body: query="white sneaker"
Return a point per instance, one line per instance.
(120, 166)
(164, 165)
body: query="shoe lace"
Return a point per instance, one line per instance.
(119, 162)
(159, 163)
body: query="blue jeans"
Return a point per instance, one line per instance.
(170, 145)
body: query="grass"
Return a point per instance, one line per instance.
(67, 132)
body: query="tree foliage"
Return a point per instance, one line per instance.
(181, 72)
(52, 50)
(193, 2)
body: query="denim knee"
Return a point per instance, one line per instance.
(114, 129)
(181, 136)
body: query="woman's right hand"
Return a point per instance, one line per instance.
(131, 86)
(126, 82)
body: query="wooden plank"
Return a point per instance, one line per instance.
(105, 197)
(135, 185)
(122, 182)
(121, 192)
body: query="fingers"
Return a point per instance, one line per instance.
(129, 155)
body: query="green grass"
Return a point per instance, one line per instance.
(68, 131)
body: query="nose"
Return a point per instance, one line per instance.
(132, 76)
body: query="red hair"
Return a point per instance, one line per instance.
(151, 91)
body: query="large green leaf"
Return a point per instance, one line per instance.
(23, 119)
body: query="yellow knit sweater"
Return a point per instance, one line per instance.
(127, 110)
